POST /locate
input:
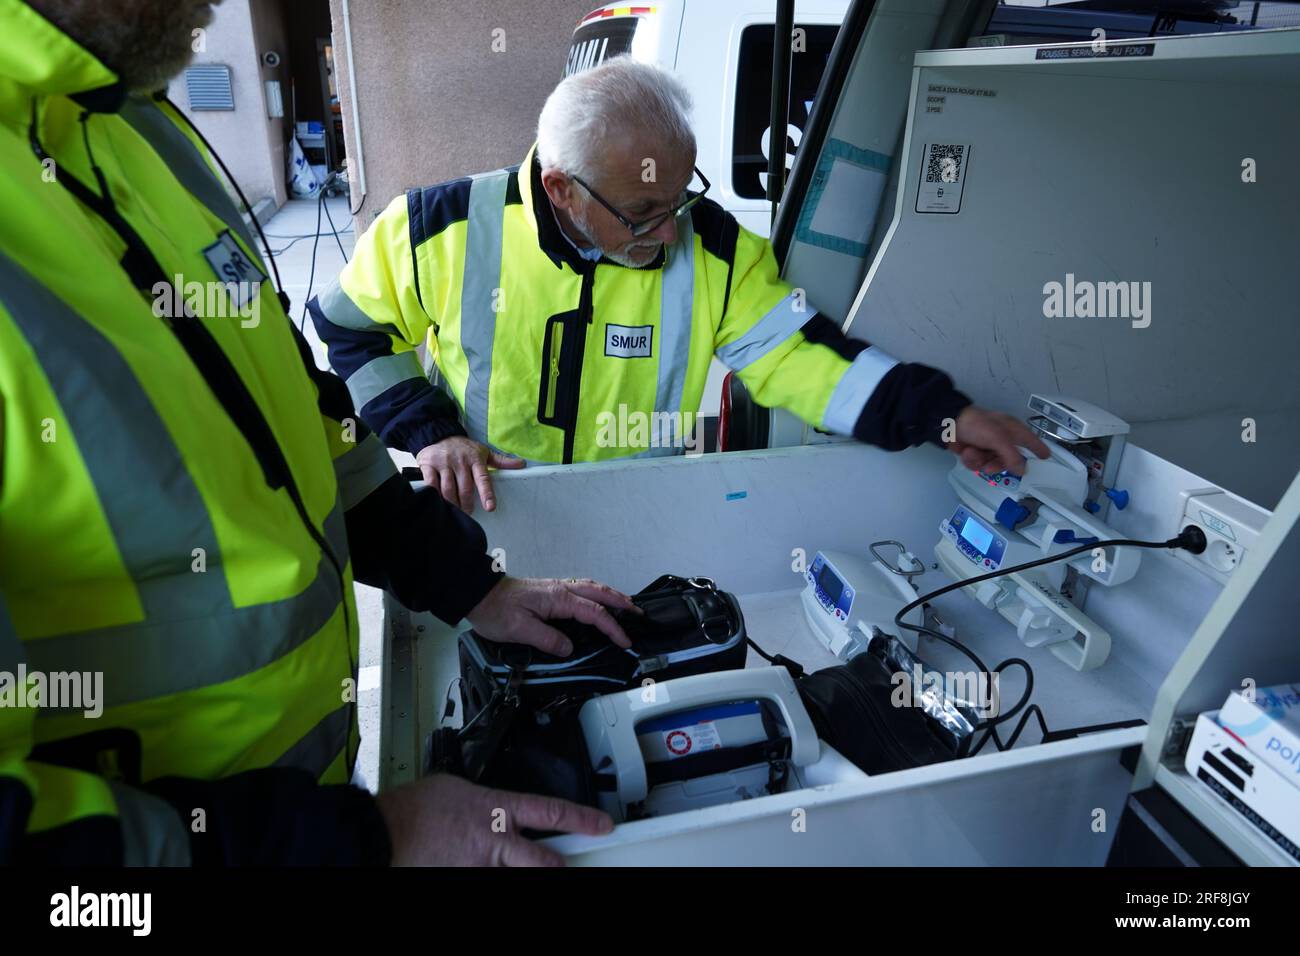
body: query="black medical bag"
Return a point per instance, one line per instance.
(687, 627)
(519, 705)
(853, 707)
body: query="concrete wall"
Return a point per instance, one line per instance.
(269, 34)
(436, 101)
(251, 144)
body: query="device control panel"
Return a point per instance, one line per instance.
(975, 539)
(830, 589)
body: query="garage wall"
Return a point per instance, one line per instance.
(436, 101)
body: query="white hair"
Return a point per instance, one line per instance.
(620, 98)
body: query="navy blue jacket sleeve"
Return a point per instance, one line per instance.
(909, 405)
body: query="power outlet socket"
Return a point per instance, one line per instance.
(1231, 525)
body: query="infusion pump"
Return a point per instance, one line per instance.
(846, 595)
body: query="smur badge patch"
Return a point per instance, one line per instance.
(629, 341)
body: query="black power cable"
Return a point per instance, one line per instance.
(306, 235)
(311, 276)
(332, 229)
(780, 660)
(1190, 539)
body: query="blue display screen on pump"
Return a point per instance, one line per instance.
(979, 536)
(830, 584)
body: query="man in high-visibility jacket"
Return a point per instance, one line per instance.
(571, 308)
(185, 501)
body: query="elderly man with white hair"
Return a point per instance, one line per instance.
(593, 284)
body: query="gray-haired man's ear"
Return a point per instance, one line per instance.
(559, 188)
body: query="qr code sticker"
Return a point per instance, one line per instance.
(944, 163)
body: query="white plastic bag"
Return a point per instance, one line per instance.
(302, 178)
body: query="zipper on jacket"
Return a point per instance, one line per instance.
(557, 338)
(577, 353)
(564, 345)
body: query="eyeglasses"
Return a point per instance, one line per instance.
(648, 226)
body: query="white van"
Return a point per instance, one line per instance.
(723, 52)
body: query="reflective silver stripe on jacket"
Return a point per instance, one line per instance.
(336, 532)
(676, 309)
(321, 745)
(339, 309)
(192, 635)
(854, 388)
(478, 293)
(186, 162)
(781, 321)
(380, 374)
(156, 658)
(362, 469)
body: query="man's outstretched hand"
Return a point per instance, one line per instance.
(516, 610)
(458, 467)
(987, 441)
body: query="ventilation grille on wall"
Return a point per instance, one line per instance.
(209, 87)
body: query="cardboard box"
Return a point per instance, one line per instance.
(1245, 783)
(1269, 726)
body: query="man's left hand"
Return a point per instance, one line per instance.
(987, 441)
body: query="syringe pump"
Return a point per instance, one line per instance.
(1004, 520)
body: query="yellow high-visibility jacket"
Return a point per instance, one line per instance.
(184, 502)
(554, 358)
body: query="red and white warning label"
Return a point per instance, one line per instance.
(694, 738)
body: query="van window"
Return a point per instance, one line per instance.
(598, 40)
(810, 53)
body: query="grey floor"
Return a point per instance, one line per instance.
(290, 233)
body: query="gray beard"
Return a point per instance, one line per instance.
(145, 42)
(620, 256)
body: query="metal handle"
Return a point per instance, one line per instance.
(902, 549)
(1040, 422)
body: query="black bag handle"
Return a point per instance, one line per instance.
(479, 746)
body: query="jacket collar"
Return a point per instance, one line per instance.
(542, 219)
(37, 58)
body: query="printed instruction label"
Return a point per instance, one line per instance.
(943, 177)
(1098, 51)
